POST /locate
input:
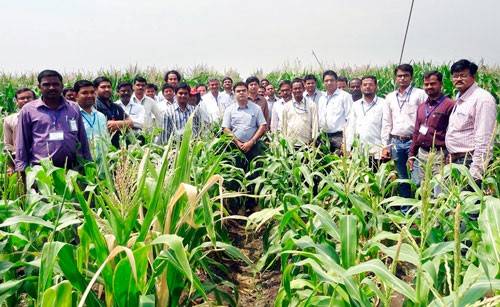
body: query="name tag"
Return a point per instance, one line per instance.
(56, 136)
(423, 130)
(72, 125)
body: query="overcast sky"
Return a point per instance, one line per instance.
(246, 35)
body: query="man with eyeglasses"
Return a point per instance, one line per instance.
(398, 122)
(472, 121)
(299, 120)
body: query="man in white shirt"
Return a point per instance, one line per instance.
(342, 83)
(151, 109)
(134, 110)
(213, 104)
(271, 98)
(227, 85)
(365, 120)
(172, 77)
(286, 91)
(299, 121)
(355, 89)
(333, 110)
(400, 113)
(312, 92)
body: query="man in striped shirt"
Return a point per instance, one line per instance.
(472, 121)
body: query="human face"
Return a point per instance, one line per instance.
(168, 93)
(297, 90)
(403, 78)
(172, 79)
(286, 91)
(125, 93)
(270, 91)
(462, 80)
(261, 91)
(311, 86)
(139, 88)
(23, 98)
(151, 93)
(241, 94)
(51, 87)
(253, 88)
(182, 96)
(214, 86)
(280, 94)
(354, 86)
(202, 90)
(70, 95)
(330, 83)
(342, 85)
(432, 87)
(86, 97)
(104, 90)
(227, 85)
(264, 83)
(368, 87)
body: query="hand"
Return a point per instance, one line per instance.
(114, 125)
(10, 171)
(410, 163)
(386, 154)
(245, 147)
(347, 153)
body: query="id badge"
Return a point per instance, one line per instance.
(423, 130)
(72, 125)
(56, 136)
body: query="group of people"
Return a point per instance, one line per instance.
(405, 126)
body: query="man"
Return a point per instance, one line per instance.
(430, 126)
(355, 88)
(262, 91)
(253, 85)
(93, 120)
(134, 110)
(194, 97)
(213, 105)
(172, 77)
(333, 110)
(201, 89)
(472, 121)
(173, 120)
(168, 94)
(398, 122)
(151, 90)
(116, 117)
(69, 93)
(245, 121)
(271, 99)
(365, 120)
(22, 96)
(342, 83)
(151, 109)
(286, 93)
(311, 84)
(227, 85)
(299, 121)
(50, 127)
(264, 83)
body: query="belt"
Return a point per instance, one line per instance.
(401, 138)
(328, 134)
(438, 148)
(458, 155)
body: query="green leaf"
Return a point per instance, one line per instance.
(147, 300)
(125, 290)
(326, 220)
(59, 295)
(26, 219)
(489, 224)
(348, 240)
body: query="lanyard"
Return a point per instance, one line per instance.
(328, 98)
(180, 117)
(111, 111)
(88, 121)
(407, 98)
(298, 108)
(52, 118)
(456, 103)
(371, 106)
(427, 112)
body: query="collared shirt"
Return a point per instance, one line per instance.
(400, 113)
(365, 120)
(174, 120)
(212, 108)
(43, 132)
(151, 110)
(230, 95)
(95, 124)
(333, 111)
(299, 120)
(164, 104)
(262, 103)
(270, 104)
(112, 112)
(432, 118)
(10, 132)
(277, 113)
(314, 97)
(135, 111)
(243, 122)
(471, 127)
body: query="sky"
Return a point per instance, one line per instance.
(78, 35)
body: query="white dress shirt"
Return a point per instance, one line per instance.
(277, 113)
(333, 111)
(135, 111)
(212, 108)
(314, 97)
(270, 104)
(151, 110)
(299, 121)
(365, 120)
(400, 113)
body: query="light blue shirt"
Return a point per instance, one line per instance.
(243, 122)
(95, 127)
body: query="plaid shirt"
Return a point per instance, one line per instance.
(173, 120)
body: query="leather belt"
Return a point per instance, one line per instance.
(438, 148)
(401, 138)
(458, 155)
(338, 133)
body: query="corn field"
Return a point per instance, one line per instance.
(150, 225)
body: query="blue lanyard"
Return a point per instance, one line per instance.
(107, 108)
(371, 106)
(328, 98)
(180, 118)
(427, 113)
(407, 98)
(52, 118)
(456, 103)
(305, 106)
(88, 121)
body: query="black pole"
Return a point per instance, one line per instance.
(406, 32)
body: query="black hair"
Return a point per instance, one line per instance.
(311, 77)
(175, 72)
(285, 82)
(263, 86)
(463, 65)
(330, 73)
(200, 84)
(342, 79)
(81, 83)
(153, 86)
(404, 67)
(49, 73)
(24, 89)
(298, 80)
(353, 79)
(227, 78)
(140, 79)
(165, 86)
(240, 83)
(182, 85)
(431, 73)
(370, 77)
(123, 84)
(67, 89)
(265, 80)
(252, 79)
(99, 80)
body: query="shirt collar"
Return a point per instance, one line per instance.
(468, 92)
(337, 91)
(375, 98)
(39, 103)
(406, 90)
(134, 98)
(92, 111)
(302, 101)
(434, 101)
(246, 107)
(176, 107)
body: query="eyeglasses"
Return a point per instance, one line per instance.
(403, 76)
(461, 76)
